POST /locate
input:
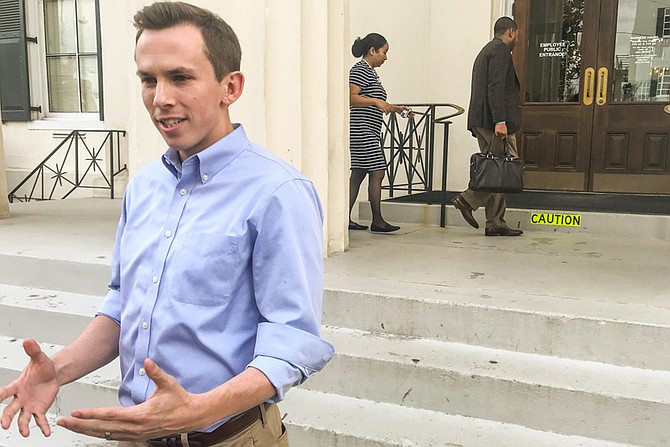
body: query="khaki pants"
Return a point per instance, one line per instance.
(494, 203)
(265, 432)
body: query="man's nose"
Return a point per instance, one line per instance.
(163, 94)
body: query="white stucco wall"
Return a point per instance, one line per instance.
(296, 56)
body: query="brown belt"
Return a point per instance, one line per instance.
(202, 439)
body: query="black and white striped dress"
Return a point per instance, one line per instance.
(365, 123)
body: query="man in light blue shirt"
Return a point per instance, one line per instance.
(215, 301)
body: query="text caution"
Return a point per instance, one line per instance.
(560, 220)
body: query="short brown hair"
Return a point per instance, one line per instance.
(221, 45)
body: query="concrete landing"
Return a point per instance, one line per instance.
(581, 274)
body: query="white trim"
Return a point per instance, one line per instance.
(68, 123)
(506, 8)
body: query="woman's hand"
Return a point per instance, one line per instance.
(405, 111)
(384, 106)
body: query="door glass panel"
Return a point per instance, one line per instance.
(642, 51)
(554, 57)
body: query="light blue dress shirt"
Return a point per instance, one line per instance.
(218, 266)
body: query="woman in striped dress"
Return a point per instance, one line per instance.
(367, 105)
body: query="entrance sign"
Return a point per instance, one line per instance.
(558, 220)
(644, 48)
(553, 49)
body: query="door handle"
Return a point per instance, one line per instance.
(589, 78)
(601, 99)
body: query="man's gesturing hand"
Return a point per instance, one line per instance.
(170, 409)
(34, 391)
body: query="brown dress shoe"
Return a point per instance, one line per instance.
(502, 231)
(466, 210)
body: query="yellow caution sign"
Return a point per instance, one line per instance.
(559, 220)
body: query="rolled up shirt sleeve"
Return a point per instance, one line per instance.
(111, 306)
(288, 282)
(287, 356)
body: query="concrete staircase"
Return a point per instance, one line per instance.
(418, 363)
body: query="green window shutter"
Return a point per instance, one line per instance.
(14, 85)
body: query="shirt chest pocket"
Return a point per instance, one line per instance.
(202, 271)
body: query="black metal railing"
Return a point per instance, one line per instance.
(78, 162)
(409, 146)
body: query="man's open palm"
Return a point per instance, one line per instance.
(34, 392)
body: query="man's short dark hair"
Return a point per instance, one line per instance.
(221, 45)
(502, 25)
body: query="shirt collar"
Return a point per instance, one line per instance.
(212, 159)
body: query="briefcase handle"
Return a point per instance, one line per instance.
(506, 154)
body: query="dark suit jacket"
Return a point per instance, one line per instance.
(495, 94)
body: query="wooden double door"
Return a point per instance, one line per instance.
(595, 82)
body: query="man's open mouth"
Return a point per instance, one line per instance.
(170, 122)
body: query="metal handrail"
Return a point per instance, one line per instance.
(459, 111)
(410, 150)
(51, 176)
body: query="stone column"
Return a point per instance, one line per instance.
(283, 91)
(307, 100)
(4, 203)
(338, 125)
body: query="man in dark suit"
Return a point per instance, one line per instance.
(494, 116)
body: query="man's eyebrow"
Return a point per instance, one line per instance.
(174, 71)
(179, 71)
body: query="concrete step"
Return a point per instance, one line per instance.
(620, 333)
(599, 396)
(313, 418)
(582, 398)
(329, 420)
(55, 274)
(592, 223)
(572, 397)
(59, 437)
(47, 315)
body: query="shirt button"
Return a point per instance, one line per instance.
(168, 233)
(141, 372)
(154, 279)
(145, 325)
(182, 192)
(205, 178)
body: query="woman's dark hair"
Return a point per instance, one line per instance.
(221, 44)
(362, 46)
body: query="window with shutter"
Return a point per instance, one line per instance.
(14, 82)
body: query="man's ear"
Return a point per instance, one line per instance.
(232, 85)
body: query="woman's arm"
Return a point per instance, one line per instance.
(356, 100)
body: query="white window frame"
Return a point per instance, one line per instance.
(35, 27)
